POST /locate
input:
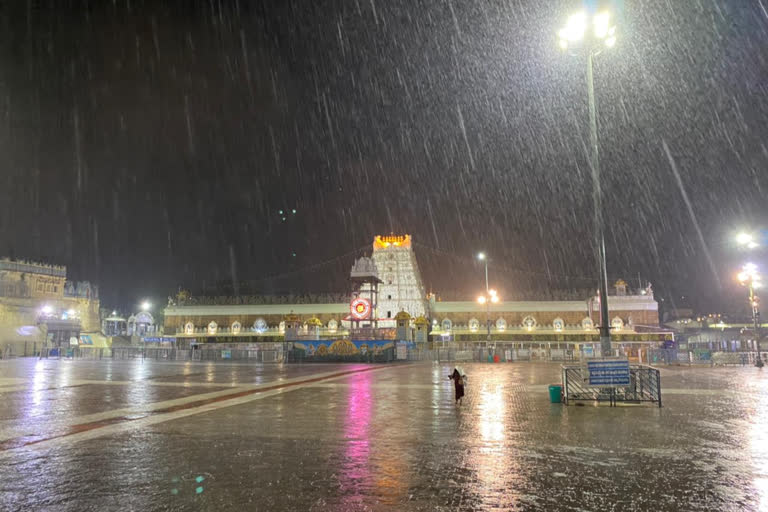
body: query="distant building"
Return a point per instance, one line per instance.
(634, 314)
(38, 305)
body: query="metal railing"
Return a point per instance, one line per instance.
(191, 354)
(441, 354)
(645, 386)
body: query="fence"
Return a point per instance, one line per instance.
(20, 349)
(701, 356)
(506, 355)
(191, 354)
(735, 358)
(441, 354)
(91, 353)
(645, 386)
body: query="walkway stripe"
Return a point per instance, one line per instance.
(101, 427)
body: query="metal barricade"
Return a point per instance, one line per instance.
(92, 353)
(645, 386)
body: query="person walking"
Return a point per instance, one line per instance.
(458, 384)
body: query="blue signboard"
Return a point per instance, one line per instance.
(612, 373)
(158, 340)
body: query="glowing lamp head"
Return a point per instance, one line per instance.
(46, 310)
(146, 306)
(601, 22)
(495, 299)
(574, 28)
(592, 31)
(744, 239)
(481, 256)
(482, 299)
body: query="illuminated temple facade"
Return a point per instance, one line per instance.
(634, 313)
(401, 287)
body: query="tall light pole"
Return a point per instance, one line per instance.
(750, 277)
(482, 257)
(589, 33)
(486, 299)
(490, 297)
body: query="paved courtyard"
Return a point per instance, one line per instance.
(132, 435)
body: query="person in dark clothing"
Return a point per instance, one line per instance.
(458, 385)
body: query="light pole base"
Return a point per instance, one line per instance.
(605, 346)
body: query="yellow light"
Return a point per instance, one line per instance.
(481, 299)
(610, 42)
(492, 292)
(574, 28)
(563, 44)
(601, 21)
(494, 299)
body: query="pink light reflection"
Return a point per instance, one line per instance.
(355, 472)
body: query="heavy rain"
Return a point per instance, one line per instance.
(252, 253)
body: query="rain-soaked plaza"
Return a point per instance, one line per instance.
(133, 435)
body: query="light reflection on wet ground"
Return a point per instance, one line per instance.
(389, 439)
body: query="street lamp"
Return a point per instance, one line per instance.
(590, 33)
(491, 297)
(750, 277)
(746, 240)
(482, 257)
(146, 305)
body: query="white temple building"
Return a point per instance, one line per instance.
(401, 287)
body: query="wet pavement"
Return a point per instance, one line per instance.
(132, 435)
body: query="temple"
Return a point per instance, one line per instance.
(401, 288)
(40, 307)
(388, 301)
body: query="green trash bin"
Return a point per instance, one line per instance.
(555, 392)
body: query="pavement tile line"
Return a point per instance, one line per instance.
(9, 430)
(82, 431)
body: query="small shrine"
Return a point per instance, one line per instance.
(403, 326)
(421, 325)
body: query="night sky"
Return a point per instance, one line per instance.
(150, 145)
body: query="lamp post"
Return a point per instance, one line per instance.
(750, 277)
(590, 33)
(482, 257)
(490, 297)
(486, 298)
